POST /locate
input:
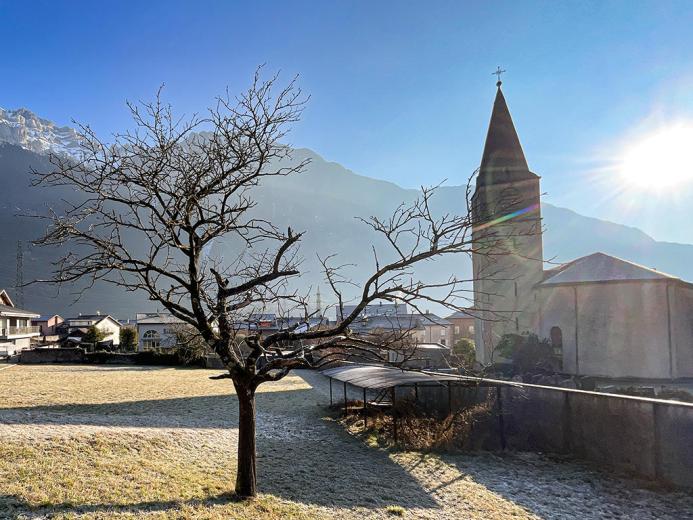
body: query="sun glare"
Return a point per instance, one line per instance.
(661, 160)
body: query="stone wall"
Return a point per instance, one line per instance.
(52, 355)
(649, 438)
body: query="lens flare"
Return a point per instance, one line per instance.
(661, 160)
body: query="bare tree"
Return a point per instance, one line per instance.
(153, 202)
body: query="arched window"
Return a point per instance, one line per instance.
(556, 336)
(151, 340)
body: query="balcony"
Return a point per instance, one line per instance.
(19, 331)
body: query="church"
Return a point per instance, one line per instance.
(604, 316)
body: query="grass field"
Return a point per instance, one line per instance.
(115, 442)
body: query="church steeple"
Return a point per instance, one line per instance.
(503, 159)
(508, 257)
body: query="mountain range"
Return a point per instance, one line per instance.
(24, 128)
(324, 201)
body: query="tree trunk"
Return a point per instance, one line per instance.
(246, 476)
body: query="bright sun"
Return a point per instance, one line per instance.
(661, 160)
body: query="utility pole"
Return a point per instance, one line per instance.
(318, 303)
(19, 279)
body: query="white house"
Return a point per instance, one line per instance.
(105, 323)
(16, 330)
(157, 330)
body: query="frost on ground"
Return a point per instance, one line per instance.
(98, 442)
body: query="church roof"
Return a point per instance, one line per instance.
(503, 159)
(600, 267)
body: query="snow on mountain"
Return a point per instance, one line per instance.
(23, 128)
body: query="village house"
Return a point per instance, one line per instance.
(48, 324)
(375, 309)
(75, 328)
(261, 323)
(605, 316)
(421, 328)
(431, 329)
(462, 326)
(16, 330)
(268, 323)
(157, 330)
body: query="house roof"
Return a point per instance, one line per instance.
(8, 310)
(600, 267)
(7, 307)
(400, 321)
(460, 315)
(5, 298)
(161, 319)
(96, 318)
(260, 316)
(431, 319)
(46, 317)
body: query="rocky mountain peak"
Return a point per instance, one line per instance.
(23, 128)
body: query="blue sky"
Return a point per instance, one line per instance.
(399, 90)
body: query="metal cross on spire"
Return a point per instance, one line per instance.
(498, 73)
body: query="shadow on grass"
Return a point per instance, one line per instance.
(212, 411)
(539, 482)
(301, 457)
(11, 504)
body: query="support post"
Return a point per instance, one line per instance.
(346, 411)
(416, 392)
(657, 455)
(567, 423)
(365, 410)
(394, 415)
(449, 399)
(501, 420)
(330, 391)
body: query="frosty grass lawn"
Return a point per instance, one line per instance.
(123, 442)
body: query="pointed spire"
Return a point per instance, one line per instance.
(503, 159)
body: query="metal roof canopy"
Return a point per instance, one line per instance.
(379, 377)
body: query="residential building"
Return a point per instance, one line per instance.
(422, 328)
(77, 327)
(462, 326)
(157, 330)
(48, 324)
(262, 323)
(16, 329)
(269, 323)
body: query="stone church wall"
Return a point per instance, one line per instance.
(682, 330)
(622, 328)
(558, 310)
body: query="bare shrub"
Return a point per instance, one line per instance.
(418, 429)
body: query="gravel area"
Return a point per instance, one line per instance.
(307, 459)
